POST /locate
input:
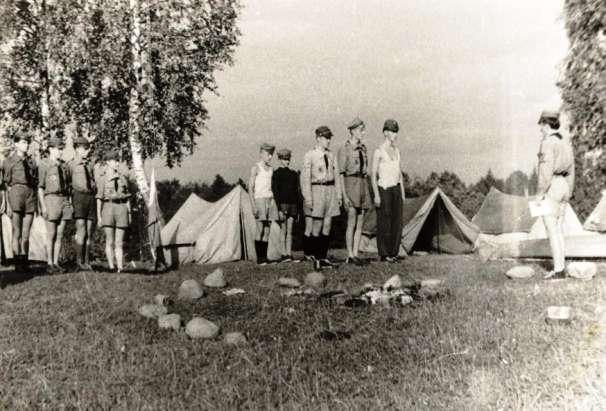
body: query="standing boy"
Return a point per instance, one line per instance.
(285, 187)
(53, 191)
(353, 164)
(83, 200)
(262, 200)
(321, 189)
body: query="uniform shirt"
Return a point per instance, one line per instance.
(112, 184)
(319, 166)
(556, 157)
(81, 173)
(285, 185)
(53, 177)
(19, 170)
(353, 160)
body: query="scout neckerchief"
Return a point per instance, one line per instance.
(87, 175)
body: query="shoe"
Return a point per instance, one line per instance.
(555, 275)
(324, 263)
(272, 262)
(294, 260)
(308, 258)
(60, 269)
(316, 264)
(51, 269)
(391, 260)
(87, 267)
(285, 259)
(84, 267)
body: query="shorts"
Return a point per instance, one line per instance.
(58, 208)
(358, 192)
(289, 210)
(22, 199)
(114, 215)
(325, 202)
(558, 195)
(266, 209)
(84, 206)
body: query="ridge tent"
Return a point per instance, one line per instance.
(503, 213)
(186, 214)
(597, 219)
(431, 223)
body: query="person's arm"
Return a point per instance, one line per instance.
(41, 187)
(342, 165)
(100, 184)
(306, 181)
(402, 189)
(251, 188)
(338, 181)
(373, 177)
(545, 167)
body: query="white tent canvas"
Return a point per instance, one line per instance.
(37, 238)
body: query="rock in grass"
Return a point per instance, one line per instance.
(152, 311)
(162, 299)
(582, 270)
(199, 327)
(520, 272)
(315, 280)
(558, 314)
(216, 279)
(289, 282)
(170, 322)
(394, 283)
(190, 290)
(235, 338)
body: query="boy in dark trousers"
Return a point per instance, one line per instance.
(285, 186)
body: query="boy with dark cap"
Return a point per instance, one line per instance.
(262, 200)
(321, 190)
(83, 200)
(353, 164)
(53, 191)
(20, 176)
(285, 187)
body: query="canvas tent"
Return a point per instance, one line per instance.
(431, 223)
(597, 219)
(208, 233)
(37, 238)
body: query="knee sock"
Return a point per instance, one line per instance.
(264, 245)
(258, 251)
(306, 245)
(325, 245)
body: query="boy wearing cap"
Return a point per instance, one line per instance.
(83, 200)
(262, 200)
(353, 164)
(53, 191)
(20, 176)
(555, 185)
(285, 187)
(388, 187)
(321, 190)
(113, 207)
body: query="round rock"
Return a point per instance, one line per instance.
(582, 270)
(394, 283)
(169, 322)
(199, 327)
(216, 279)
(289, 282)
(520, 271)
(152, 311)
(190, 290)
(235, 338)
(315, 280)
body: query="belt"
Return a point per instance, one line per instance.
(562, 174)
(324, 183)
(358, 175)
(56, 194)
(116, 200)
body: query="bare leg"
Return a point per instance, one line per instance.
(350, 231)
(80, 240)
(120, 248)
(283, 234)
(109, 246)
(308, 225)
(358, 233)
(59, 242)
(27, 225)
(562, 245)
(88, 240)
(17, 221)
(554, 241)
(326, 225)
(265, 232)
(288, 238)
(259, 232)
(51, 235)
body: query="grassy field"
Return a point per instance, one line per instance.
(77, 341)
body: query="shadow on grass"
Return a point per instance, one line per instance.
(12, 276)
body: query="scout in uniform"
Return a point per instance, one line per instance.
(555, 185)
(262, 200)
(4, 149)
(83, 201)
(113, 207)
(285, 187)
(353, 164)
(55, 205)
(321, 188)
(20, 176)
(388, 187)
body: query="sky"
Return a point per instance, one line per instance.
(465, 79)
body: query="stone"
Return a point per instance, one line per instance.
(520, 272)
(233, 291)
(315, 280)
(162, 299)
(394, 283)
(190, 290)
(216, 279)
(582, 270)
(558, 314)
(170, 322)
(431, 283)
(199, 327)
(405, 299)
(152, 311)
(235, 338)
(289, 282)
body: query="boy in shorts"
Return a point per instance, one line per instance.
(262, 200)
(285, 187)
(321, 189)
(55, 205)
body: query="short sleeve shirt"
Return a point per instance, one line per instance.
(53, 177)
(82, 177)
(20, 170)
(353, 160)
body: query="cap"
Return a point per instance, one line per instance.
(323, 131)
(55, 141)
(547, 115)
(80, 141)
(111, 154)
(284, 154)
(355, 123)
(268, 147)
(391, 125)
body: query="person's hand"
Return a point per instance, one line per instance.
(377, 201)
(99, 223)
(45, 213)
(309, 204)
(347, 203)
(130, 218)
(255, 212)
(281, 215)
(9, 212)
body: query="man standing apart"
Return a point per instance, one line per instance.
(353, 164)
(555, 185)
(321, 190)
(83, 200)
(53, 191)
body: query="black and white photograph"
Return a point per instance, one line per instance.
(302, 204)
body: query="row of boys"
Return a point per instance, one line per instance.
(328, 182)
(60, 191)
